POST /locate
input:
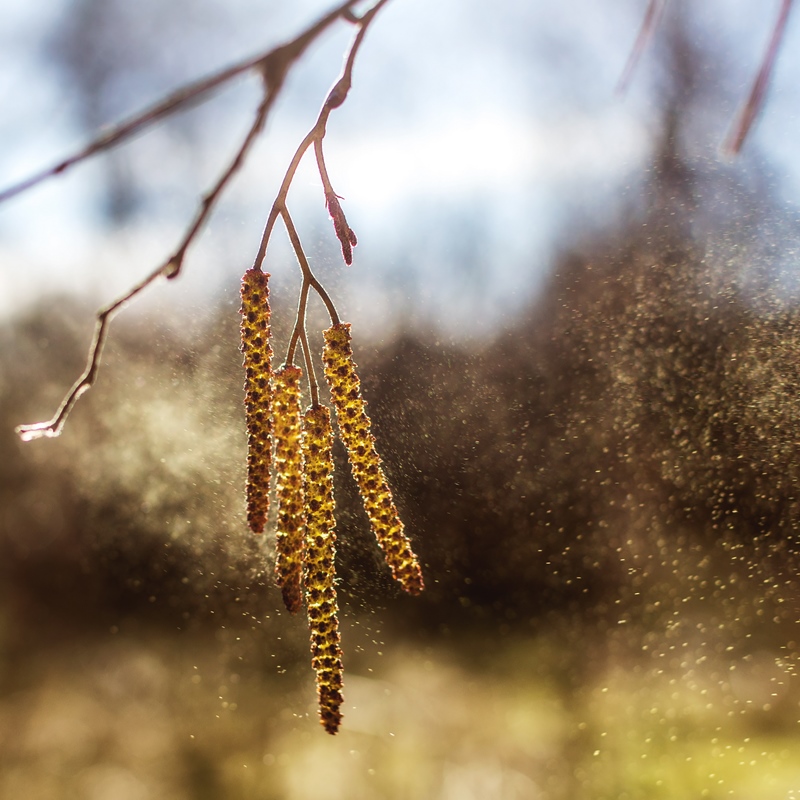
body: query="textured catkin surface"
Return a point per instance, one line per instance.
(319, 571)
(255, 331)
(290, 543)
(354, 428)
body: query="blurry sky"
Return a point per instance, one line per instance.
(476, 140)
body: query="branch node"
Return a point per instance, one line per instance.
(173, 267)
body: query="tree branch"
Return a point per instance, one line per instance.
(274, 66)
(651, 17)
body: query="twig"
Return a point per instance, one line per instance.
(733, 144)
(299, 322)
(274, 66)
(308, 275)
(173, 267)
(313, 387)
(336, 96)
(651, 17)
(53, 427)
(299, 334)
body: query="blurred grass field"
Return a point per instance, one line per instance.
(133, 714)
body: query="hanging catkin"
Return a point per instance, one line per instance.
(257, 352)
(319, 570)
(290, 543)
(354, 428)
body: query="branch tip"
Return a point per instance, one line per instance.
(38, 430)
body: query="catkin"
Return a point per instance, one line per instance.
(319, 570)
(257, 352)
(354, 428)
(290, 544)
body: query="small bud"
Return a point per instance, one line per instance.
(344, 233)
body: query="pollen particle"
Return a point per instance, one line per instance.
(319, 571)
(255, 330)
(290, 544)
(365, 463)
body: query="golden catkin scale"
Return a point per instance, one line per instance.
(257, 352)
(290, 543)
(319, 570)
(354, 428)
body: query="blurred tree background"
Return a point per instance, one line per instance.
(597, 461)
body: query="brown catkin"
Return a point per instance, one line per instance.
(258, 393)
(354, 428)
(319, 570)
(290, 544)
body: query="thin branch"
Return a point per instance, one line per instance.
(300, 321)
(173, 267)
(272, 64)
(733, 144)
(53, 427)
(650, 23)
(313, 386)
(327, 186)
(280, 201)
(308, 275)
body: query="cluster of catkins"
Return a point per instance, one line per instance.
(303, 464)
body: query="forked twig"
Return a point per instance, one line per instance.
(308, 276)
(273, 66)
(299, 331)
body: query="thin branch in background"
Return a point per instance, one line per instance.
(312, 378)
(755, 101)
(274, 66)
(651, 18)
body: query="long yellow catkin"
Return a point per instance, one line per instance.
(354, 428)
(319, 570)
(290, 544)
(257, 352)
